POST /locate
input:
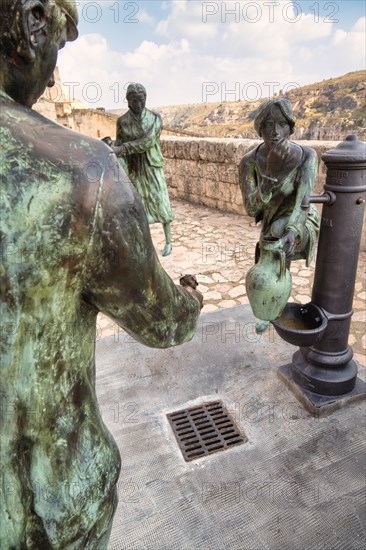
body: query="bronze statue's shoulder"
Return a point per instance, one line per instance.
(124, 117)
(308, 152)
(153, 113)
(249, 156)
(49, 139)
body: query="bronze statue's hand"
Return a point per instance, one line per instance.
(118, 151)
(108, 141)
(289, 243)
(189, 282)
(279, 155)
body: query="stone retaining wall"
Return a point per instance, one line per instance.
(93, 122)
(205, 170)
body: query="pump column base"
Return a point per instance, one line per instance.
(316, 404)
(325, 373)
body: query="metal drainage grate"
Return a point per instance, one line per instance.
(204, 430)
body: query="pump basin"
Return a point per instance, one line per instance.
(301, 325)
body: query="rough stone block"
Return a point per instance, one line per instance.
(179, 150)
(179, 169)
(193, 169)
(212, 189)
(202, 149)
(173, 192)
(235, 195)
(179, 183)
(211, 171)
(223, 205)
(198, 186)
(224, 192)
(169, 182)
(194, 150)
(212, 150)
(168, 148)
(230, 148)
(207, 201)
(188, 186)
(244, 146)
(216, 152)
(187, 150)
(175, 168)
(237, 209)
(167, 167)
(228, 173)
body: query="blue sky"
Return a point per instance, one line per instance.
(189, 51)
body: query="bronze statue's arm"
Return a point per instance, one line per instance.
(145, 142)
(253, 197)
(305, 183)
(124, 278)
(119, 135)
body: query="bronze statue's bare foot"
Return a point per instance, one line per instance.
(167, 249)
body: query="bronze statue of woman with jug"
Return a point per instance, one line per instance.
(274, 178)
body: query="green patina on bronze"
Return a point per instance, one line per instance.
(138, 147)
(75, 241)
(274, 179)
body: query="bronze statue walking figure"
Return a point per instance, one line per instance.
(138, 147)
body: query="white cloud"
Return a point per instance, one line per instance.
(226, 54)
(186, 20)
(160, 68)
(339, 36)
(355, 39)
(145, 17)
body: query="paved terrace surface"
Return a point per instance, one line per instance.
(298, 481)
(218, 247)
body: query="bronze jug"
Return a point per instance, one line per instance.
(268, 282)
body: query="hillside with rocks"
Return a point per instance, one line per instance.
(327, 110)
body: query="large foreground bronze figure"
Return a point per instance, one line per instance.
(74, 241)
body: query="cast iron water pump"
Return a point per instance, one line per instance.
(324, 364)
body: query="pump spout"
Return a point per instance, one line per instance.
(326, 198)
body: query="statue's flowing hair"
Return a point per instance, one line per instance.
(265, 111)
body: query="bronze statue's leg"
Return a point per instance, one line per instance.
(98, 536)
(303, 246)
(278, 227)
(168, 239)
(302, 249)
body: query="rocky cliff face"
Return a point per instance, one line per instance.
(328, 110)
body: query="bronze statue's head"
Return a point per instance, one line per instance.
(135, 88)
(266, 110)
(136, 97)
(31, 33)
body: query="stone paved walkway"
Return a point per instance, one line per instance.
(218, 248)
